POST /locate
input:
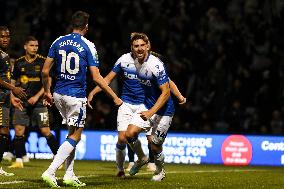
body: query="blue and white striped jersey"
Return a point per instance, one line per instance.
(72, 55)
(152, 74)
(132, 91)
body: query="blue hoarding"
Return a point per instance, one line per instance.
(191, 148)
(178, 148)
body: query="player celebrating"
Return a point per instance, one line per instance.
(5, 88)
(157, 110)
(72, 54)
(133, 97)
(27, 73)
(182, 100)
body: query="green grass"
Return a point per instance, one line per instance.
(101, 175)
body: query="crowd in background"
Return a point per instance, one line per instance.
(226, 56)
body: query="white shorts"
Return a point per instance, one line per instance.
(125, 114)
(149, 132)
(157, 125)
(72, 109)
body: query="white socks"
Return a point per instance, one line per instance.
(69, 164)
(159, 161)
(63, 152)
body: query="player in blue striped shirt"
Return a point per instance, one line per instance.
(133, 96)
(156, 112)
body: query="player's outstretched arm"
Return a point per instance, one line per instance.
(108, 79)
(18, 91)
(99, 80)
(177, 93)
(163, 98)
(46, 82)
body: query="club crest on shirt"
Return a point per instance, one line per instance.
(24, 79)
(146, 73)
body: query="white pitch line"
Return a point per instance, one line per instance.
(13, 182)
(150, 173)
(201, 171)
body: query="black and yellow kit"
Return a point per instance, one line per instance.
(4, 93)
(27, 75)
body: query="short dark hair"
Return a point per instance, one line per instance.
(4, 28)
(79, 20)
(135, 35)
(30, 38)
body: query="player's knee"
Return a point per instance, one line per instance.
(158, 141)
(132, 131)
(45, 131)
(4, 130)
(131, 139)
(19, 130)
(122, 140)
(128, 134)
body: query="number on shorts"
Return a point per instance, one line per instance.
(66, 62)
(43, 116)
(160, 134)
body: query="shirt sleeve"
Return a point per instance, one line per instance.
(160, 73)
(92, 55)
(117, 66)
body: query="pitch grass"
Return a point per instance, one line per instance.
(101, 175)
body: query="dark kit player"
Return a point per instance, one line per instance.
(27, 74)
(5, 90)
